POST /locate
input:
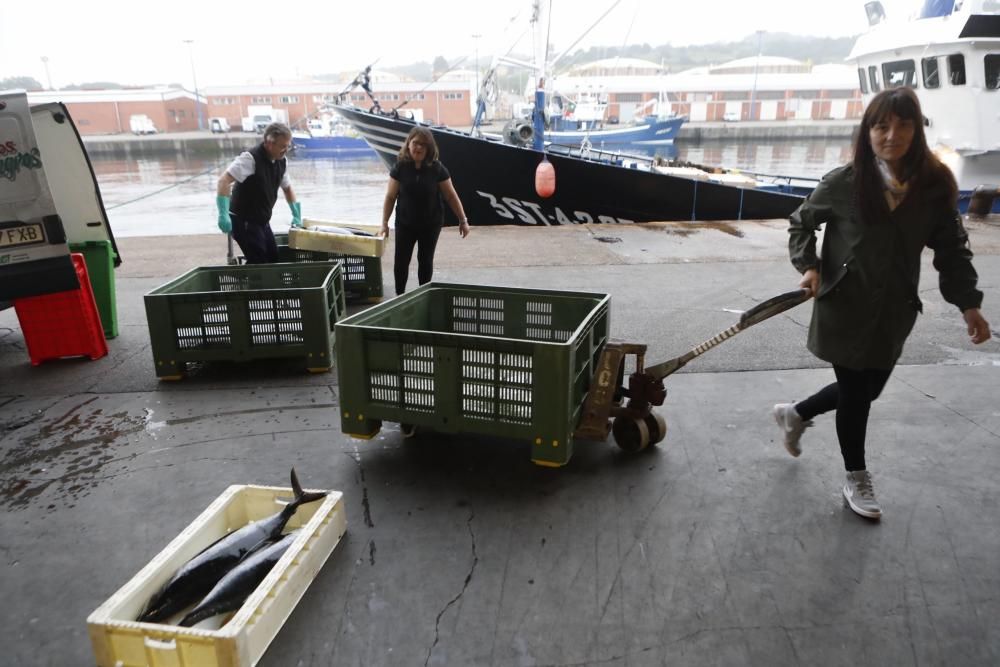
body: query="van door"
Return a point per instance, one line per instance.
(34, 256)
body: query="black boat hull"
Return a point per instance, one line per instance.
(496, 183)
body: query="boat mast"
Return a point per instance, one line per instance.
(540, 32)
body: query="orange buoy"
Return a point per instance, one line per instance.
(545, 179)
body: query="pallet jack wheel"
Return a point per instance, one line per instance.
(657, 427)
(631, 434)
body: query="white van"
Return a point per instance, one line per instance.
(218, 125)
(140, 123)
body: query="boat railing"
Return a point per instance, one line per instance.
(602, 155)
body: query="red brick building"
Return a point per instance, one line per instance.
(446, 102)
(449, 102)
(110, 111)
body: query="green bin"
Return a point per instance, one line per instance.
(99, 257)
(239, 313)
(455, 358)
(362, 275)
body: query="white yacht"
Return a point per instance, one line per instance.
(949, 52)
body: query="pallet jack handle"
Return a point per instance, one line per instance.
(762, 311)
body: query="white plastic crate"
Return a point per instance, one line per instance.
(311, 237)
(120, 641)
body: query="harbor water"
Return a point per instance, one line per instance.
(167, 195)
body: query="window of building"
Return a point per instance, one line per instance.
(260, 100)
(453, 96)
(929, 68)
(224, 100)
(899, 73)
(991, 65)
(288, 99)
(873, 78)
(862, 81)
(628, 97)
(956, 69)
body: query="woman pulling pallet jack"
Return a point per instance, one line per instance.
(880, 212)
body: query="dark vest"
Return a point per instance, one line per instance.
(254, 198)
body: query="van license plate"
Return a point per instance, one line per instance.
(22, 235)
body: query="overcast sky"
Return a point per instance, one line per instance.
(138, 43)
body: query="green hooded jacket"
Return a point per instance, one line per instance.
(868, 297)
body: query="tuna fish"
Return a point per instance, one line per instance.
(234, 588)
(198, 576)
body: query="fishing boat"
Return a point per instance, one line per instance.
(584, 120)
(495, 176)
(949, 53)
(496, 180)
(328, 134)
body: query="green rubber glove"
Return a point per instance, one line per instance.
(225, 222)
(296, 213)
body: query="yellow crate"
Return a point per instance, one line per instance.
(311, 237)
(120, 641)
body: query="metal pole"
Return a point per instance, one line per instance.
(756, 66)
(476, 37)
(48, 77)
(194, 77)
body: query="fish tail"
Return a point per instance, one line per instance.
(301, 497)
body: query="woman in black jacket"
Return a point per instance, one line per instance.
(880, 212)
(419, 184)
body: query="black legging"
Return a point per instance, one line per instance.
(407, 236)
(851, 396)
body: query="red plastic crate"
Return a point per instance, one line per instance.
(63, 324)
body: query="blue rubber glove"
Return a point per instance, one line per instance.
(296, 213)
(225, 222)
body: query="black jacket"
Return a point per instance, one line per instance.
(869, 273)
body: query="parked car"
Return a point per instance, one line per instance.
(218, 125)
(731, 116)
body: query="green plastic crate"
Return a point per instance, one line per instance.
(99, 257)
(362, 275)
(474, 359)
(239, 313)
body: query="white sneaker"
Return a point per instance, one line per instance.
(860, 496)
(792, 426)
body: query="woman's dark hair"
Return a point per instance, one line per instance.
(426, 138)
(921, 168)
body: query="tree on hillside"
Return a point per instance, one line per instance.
(25, 82)
(439, 67)
(677, 58)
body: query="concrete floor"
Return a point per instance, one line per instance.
(715, 547)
